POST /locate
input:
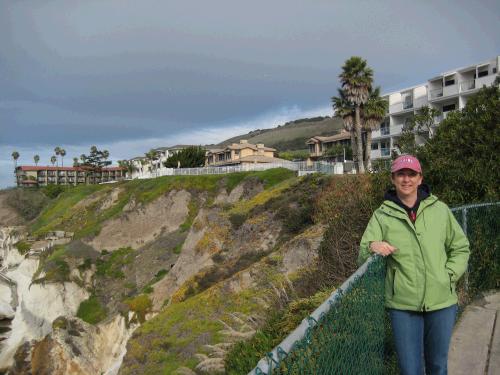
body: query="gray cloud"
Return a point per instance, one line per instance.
(75, 73)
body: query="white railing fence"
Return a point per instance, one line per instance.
(301, 167)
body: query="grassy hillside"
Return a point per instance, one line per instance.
(64, 213)
(292, 135)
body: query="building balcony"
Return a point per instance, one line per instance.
(463, 87)
(400, 107)
(387, 131)
(440, 117)
(316, 154)
(450, 90)
(436, 93)
(408, 104)
(380, 153)
(467, 85)
(385, 152)
(486, 80)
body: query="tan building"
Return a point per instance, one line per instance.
(241, 153)
(318, 145)
(27, 175)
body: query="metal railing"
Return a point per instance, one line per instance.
(318, 166)
(436, 93)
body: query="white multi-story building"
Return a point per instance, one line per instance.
(446, 92)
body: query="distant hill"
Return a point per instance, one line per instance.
(292, 135)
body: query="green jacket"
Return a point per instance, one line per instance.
(431, 255)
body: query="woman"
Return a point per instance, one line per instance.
(427, 252)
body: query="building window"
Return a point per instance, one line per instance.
(449, 81)
(311, 149)
(384, 129)
(482, 73)
(375, 146)
(449, 107)
(407, 101)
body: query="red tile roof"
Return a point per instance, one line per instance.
(47, 168)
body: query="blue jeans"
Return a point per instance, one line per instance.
(423, 337)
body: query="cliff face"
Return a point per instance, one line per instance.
(33, 307)
(193, 263)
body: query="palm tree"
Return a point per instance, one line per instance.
(344, 110)
(356, 79)
(62, 152)
(36, 158)
(75, 162)
(53, 159)
(373, 113)
(151, 156)
(57, 151)
(15, 156)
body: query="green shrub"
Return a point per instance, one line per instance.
(178, 248)
(91, 310)
(190, 157)
(23, 247)
(53, 191)
(148, 288)
(237, 219)
(294, 155)
(141, 305)
(193, 207)
(111, 265)
(160, 274)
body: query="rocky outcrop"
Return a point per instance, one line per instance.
(75, 348)
(139, 225)
(35, 306)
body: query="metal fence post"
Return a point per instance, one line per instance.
(464, 223)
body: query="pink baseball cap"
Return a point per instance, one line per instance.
(406, 162)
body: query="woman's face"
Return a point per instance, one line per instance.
(406, 182)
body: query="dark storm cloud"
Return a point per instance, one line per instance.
(75, 72)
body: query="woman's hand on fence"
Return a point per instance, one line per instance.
(382, 248)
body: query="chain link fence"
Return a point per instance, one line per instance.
(349, 333)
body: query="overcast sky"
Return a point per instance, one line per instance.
(130, 75)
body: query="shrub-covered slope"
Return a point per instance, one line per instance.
(217, 259)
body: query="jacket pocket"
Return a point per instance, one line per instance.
(389, 282)
(452, 285)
